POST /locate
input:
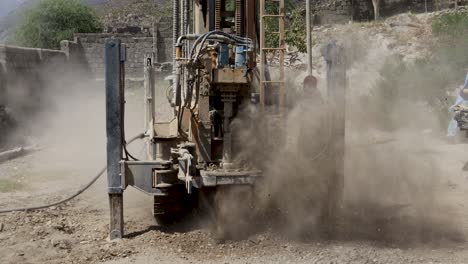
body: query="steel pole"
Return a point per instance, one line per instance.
(114, 128)
(309, 36)
(336, 86)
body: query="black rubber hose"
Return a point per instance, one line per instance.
(80, 191)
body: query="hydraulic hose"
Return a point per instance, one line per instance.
(80, 191)
(201, 39)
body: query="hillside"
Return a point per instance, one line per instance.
(114, 13)
(121, 13)
(10, 11)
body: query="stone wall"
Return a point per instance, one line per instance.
(138, 45)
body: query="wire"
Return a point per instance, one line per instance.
(80, 191)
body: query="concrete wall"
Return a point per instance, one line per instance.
(26, 76)
(22, 75)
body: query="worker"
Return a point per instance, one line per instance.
(308, 113)
(304, 158)
(462, 99)
(305, 121)
(310, 87)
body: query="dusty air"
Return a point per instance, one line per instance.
(233, 131)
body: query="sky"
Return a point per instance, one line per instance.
(6, 6)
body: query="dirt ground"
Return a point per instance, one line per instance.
(76, 232)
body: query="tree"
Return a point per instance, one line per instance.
(50, 21)
(295, 34)
(296, 31)
(376, 4)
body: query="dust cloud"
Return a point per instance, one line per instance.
(393, 185)
(68, 125)
(392, 179)
(68, 121)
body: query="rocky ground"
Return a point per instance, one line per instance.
(76, 232)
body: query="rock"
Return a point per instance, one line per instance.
(61, 244)
(403, 20)
(1, 227)
(54, 242)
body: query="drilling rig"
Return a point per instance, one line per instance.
(219, 65)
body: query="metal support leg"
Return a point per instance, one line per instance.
(114, 58)
(116, 216)
(309, 36)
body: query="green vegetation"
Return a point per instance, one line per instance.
(51, 21)
(426, 80)
(9, 185)
(452, 32)
(403, 88)
(296, 32)
(295, 26)
(451, 25)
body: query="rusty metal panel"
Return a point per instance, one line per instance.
(230, 76)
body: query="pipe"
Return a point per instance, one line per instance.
(177, 88)
(17, 152)
(175, 30)
(202, 39)
(186, 37)
(183, 22)
(309, 36)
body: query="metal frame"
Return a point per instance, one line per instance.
(114, 129)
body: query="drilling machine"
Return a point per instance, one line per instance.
(189, 140)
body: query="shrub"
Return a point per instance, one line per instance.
(50, 21)
(295, 34)
(452, 25)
